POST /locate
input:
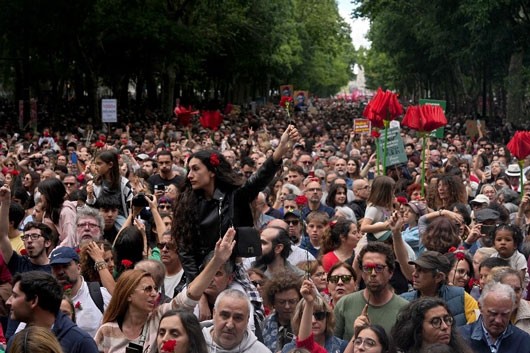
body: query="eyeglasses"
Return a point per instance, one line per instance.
(149, 289)
(367, 342)
(436, 322)
(307, 162)
(283, 302)
(68, 184)
(89, 225)
(165, 206)
(451, 150)
(32, 236)
(293, 222)
(344, 278)
(373, 267)
(488, 148)
(169, 245)
(10, 164)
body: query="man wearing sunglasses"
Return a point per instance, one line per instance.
(429, 276)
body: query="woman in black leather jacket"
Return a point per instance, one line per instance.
(213, 198)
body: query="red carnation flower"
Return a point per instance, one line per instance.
(67, 287)
(78, 306)
(451, 249)
(78, 250)
(99, 144)
(332, 223)
(519, 145)
(14, 172)
(23, 252)
(102, 138)
(169, 346)
(301, 200)
(473, 282)
(214, 159)
(376, 134)
(46, 134)
(460, 255)
(126, 263)
(285, 101)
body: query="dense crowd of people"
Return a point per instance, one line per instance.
(273, 232)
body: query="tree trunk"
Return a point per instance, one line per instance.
(168, 90)
(515, 89)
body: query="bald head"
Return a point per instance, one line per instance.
(279, 223)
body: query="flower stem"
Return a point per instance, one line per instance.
(521, 163)
(386, 122)
(377, 154)
(423, 164)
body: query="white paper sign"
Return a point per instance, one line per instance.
(109, 110)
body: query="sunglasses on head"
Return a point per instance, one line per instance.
(343, 278)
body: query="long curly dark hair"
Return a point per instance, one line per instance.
(457, 192)
(186, 210)
(408, 329)
(441, 235)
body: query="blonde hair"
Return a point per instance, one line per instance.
(35, 339)
(319, 305)
(125, 286)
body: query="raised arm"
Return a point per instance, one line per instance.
(308, 292)
(5, 244)
(399, 246)
(222, 253)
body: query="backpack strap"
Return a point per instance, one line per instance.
(95, 293)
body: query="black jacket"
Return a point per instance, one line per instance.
(358, 207)
(210, 226)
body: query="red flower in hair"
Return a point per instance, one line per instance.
(376, 134)
(401, 199)
(169, 346)
(126, 263)
(78, 250)
(460, 255)
(214, 159)
(124, 142)
(99, 144)
(14, 172)
(23, 252)
(301, 200)
(451, 249)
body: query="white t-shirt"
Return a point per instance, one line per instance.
(171, 282)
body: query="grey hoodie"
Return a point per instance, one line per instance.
(249, 343)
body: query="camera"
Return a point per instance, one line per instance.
(140, 200)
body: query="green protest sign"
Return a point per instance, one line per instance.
(395, 151)
(438, 133)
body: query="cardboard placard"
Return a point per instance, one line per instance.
(362, 126)
(395, 149)
(109, 110)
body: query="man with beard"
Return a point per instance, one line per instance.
(376, 304)
(275, 249)
(89, 227)
(93, 298)
(340, 168)
(305, 161)
(165, 175)
(37, 238)
(36, 300)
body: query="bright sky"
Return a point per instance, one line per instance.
(359, 26)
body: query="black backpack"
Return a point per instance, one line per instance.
(94, 288)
